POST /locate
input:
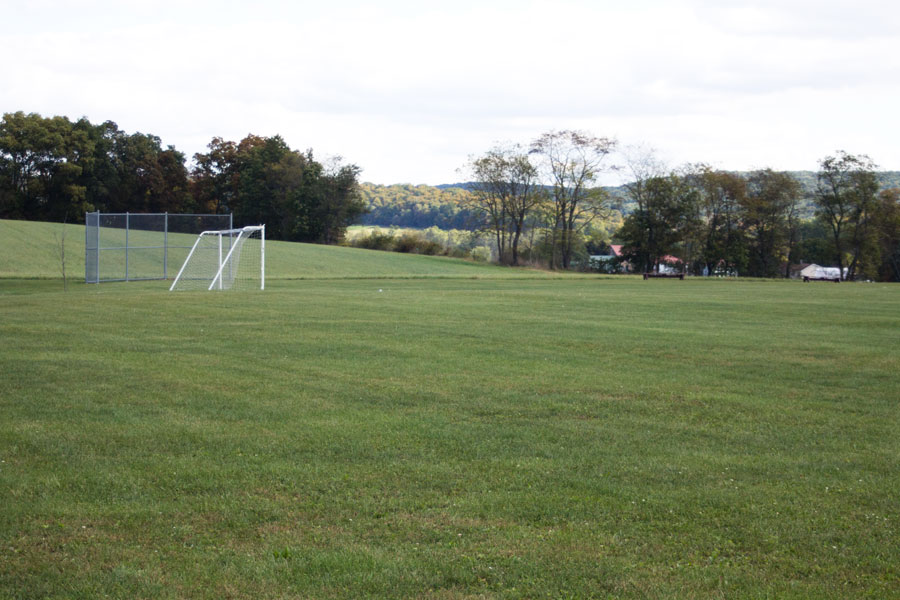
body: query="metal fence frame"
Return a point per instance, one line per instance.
(94, 248)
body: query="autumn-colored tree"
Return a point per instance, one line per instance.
(420, 206)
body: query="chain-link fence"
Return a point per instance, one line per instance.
(141, 246)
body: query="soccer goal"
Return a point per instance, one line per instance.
(230, 259)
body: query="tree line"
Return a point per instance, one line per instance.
(703, 219)
(55, 169)
(714, 221)
(540, 202)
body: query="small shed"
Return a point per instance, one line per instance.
(610, 261)
(797, 269)
(816, 272)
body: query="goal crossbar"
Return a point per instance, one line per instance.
(236, 239)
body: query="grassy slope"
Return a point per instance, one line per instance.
(30, 250)
(450, 438)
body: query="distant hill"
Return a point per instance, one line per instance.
(807, 179)
(419, 206)
(444, 206)
(468, 186)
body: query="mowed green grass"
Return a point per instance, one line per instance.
(31, 250)
(450, 438)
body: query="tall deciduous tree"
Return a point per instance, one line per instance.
(572, 162)
(51, 167)
(845, 198)
(769, 215)
(214, 177)
(663, 219)
(721, 240)
(887, 223)
(263, 181)
(40, 166)
(504, 193)
(341, 204)
(148, 177)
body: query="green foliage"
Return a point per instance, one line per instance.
(53, 169)
(846, 201)
(480, 254)
(413, 243)
(753, 223)
(808, 181)
(263, 181)
(767, 210)
(375, 240)
(815, 247)
(887, 224)
(719, 237)
(408, 242)
(665, 214)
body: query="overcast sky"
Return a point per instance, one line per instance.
(408, 90)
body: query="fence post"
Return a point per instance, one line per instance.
(92, 243)
(166, 246)
(87, 245)
(126, 245)
(219, 269)
(98, 246)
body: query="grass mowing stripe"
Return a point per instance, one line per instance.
(450, 438)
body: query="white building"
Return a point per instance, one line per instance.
(817, 272)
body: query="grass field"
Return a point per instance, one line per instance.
(30, 250)
(463, 432)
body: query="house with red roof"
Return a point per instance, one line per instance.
(610, 261)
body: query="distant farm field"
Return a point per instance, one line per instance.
(372, 427)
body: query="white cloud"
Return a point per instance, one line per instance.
(408, 90)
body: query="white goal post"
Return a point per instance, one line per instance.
(225, 260)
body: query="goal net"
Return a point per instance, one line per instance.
(230, 259)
